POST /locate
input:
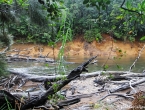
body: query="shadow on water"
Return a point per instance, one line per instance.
(117, 64)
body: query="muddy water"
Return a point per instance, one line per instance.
(117, 64)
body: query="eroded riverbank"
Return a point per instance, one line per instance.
(79, 48)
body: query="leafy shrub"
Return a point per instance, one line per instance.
(89, 36)
(131, 39)
(43, 38)
(117, 35)
(93, 34)
(98, 37)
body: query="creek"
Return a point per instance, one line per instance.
(41, 68)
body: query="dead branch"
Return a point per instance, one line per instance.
(129, 9)
(68, 102)
(118, 94)
(124, 87)
(139, 54)
(2, 52)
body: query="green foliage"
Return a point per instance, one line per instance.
(99, 4)
(9, 106)
(36, 25)
(143, 38)
(105, 67)
(3, 67)
(64, 34)
(92, 35)
(55, 98)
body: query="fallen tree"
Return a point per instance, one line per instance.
(40, 78)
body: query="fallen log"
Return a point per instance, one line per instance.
(28, 58)
(124, 87)
(119, 94)
(39, 78)
(36, 78)
(68, 102)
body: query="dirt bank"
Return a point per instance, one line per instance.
(80, 48)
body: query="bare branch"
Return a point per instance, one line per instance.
(139, 54)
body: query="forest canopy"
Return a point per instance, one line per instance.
(47, 21)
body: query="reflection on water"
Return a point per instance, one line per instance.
(117, 64)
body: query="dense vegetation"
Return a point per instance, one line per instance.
(50, 21)
(40, 22)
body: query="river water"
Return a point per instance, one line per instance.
(113, 64)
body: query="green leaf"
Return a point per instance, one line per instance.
(111, 76)
(118, 66)
(102, 73)
(143, 38)
(143, 5)
(85, 1)
(120, 50)
(108, 2)
(128, 4)
(120, 17)
(105, 67)
(141, 22)
(98, 7)
(97, 39)
(47, 65)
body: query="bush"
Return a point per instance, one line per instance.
(93, 34)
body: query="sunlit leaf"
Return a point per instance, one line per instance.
(128, 4)
(120, 17)
(105, 67)
(143, 38)
(141, 22)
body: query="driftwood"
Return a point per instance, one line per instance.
(40, 98)
(128, 86)
(38, 78)
(117, 94)
(68, 102)
(28, 58)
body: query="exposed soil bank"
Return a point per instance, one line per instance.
(80, 48)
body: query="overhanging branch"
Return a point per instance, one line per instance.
(129, 9)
